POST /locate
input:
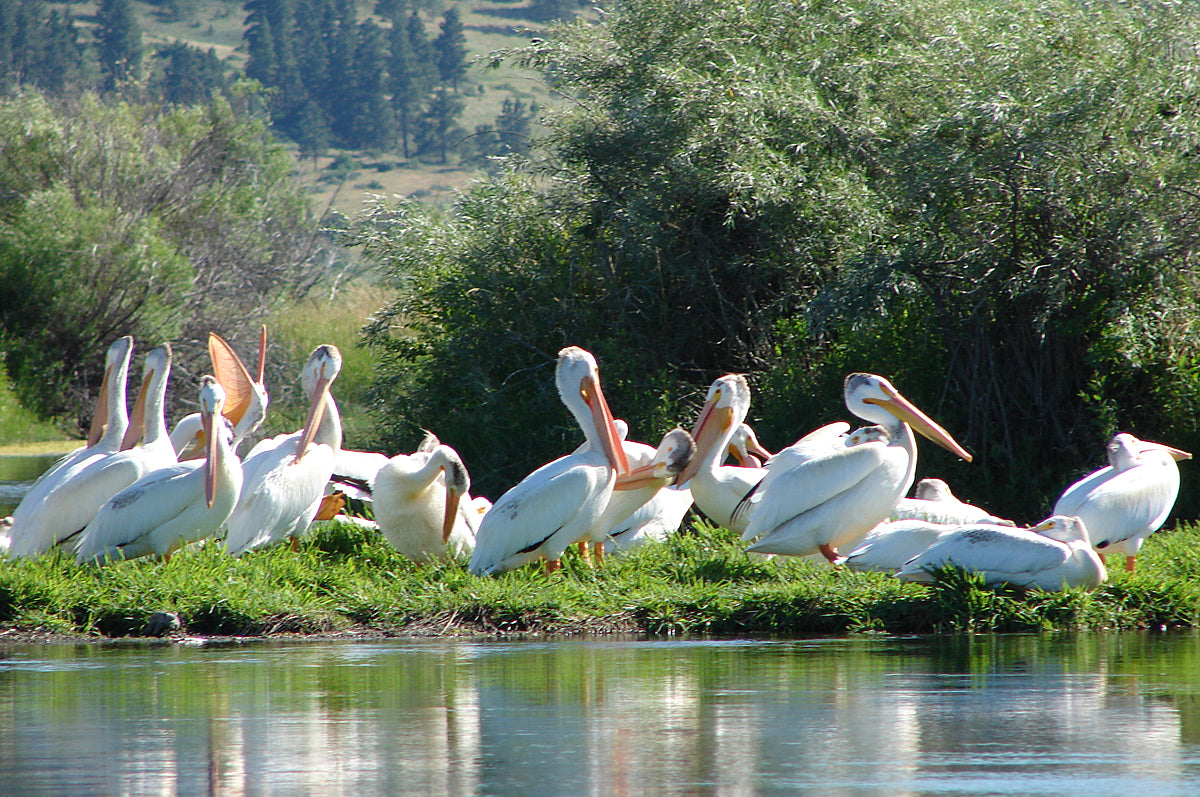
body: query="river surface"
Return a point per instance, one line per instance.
(17, 475)
(1087, 714)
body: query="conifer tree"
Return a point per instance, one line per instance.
(407, 81)
(119, 42)
(450, 47)
(439, 123)
(370, 119)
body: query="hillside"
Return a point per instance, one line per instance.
(488, 25)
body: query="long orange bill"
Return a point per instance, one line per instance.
(212, 452)
(315, 414)
(1176, 454)
(137, 418)
(903, 409)
(100, 418)
(453, 497)
(603, 417)
(713, 424)
(655, 474)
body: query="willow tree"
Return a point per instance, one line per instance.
(992, 204)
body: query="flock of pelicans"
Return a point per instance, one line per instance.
(837, 494)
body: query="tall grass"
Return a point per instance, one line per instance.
(17, 424)
(335, 317)
(345, 579)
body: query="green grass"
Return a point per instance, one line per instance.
(348, 580)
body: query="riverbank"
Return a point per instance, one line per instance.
(346, 581)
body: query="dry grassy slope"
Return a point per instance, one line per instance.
(489, 25)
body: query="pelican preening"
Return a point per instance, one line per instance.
(1050, 556)
(1126, 501)
(559, 503)
(246, 397)
(642, 505)
(171, 506)
(418, 503)
(832, 494)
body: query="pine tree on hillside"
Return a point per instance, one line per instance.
(370, 116)
(408, 81)
(450, 47)
(119, 42)
(342, 34)
(438, 125)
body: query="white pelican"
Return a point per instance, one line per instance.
(37, 522)
(933, 501)
(745, 448)
(1056, 555)
(354, 471)
(646, 504)
(417, 503)
(830, 498)
(558, 503)
(717, 489)
(889, 545)
(286, 475)
(245, 397)
(171, 506)
(1128, 500)
(652, 472)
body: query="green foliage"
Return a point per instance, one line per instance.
(991, 204)
(121, 219)
(698, 582)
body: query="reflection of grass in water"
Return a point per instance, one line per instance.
(700, 582)
(303, 326)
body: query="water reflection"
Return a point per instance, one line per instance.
(17, 475)
(1087, 714)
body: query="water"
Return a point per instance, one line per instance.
(17, 474)
(1087, 715)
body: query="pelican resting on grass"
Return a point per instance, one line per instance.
(48, 514)
(1051, 556)
(1128, 500)
(831, 498)
(559, 503)
(286, 475)
(171, 506)
(888, 546)
(417, 499)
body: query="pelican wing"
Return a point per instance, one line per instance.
(144, 506)
(1075, 495)
(550, 502)
(811, 483)
(1002, 555)
(889, 545)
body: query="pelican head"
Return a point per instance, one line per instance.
(246, 395)
(933, 490)
(158, 361)
(673, 454)
(116, 366)
(724, 409)
(1063, 528)
(578, 380)
(318, 374)
(212, 400)
(458, 482)
(873, 398)
(745, 448)
(868, 434)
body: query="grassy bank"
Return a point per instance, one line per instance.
(346, 580)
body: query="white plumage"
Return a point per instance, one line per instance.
(417, 500)
(934, 502)
(171, 506)
(718, 490)
(1050, 556)
(558, 503)
(887, 547)
(833, 494)
(48, 514)
(285, 476)
(1126, 501)
(644, 505)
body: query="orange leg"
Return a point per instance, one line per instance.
(1129, 560)
(829, 553)
(552, 565)
(585, 550)
(598, 553)
(295, 544)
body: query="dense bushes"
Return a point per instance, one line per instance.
(122, 219)
(992, 204)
